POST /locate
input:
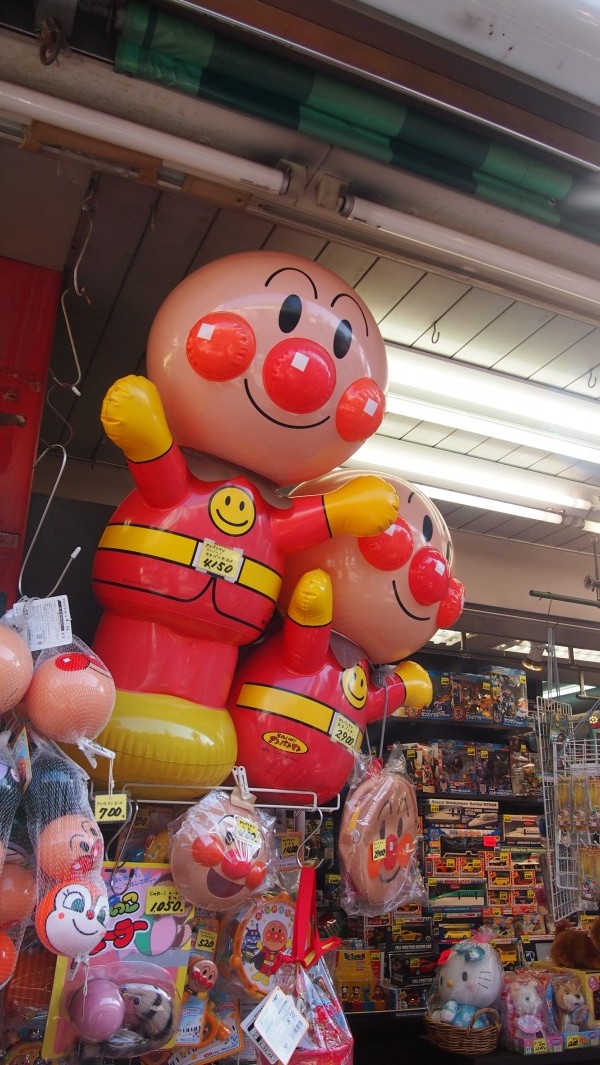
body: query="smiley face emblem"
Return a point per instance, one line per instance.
(354, 686)
(232, 510)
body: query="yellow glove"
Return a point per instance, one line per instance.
(364, 506)
(419, 689)
(311, 604)
(134, 419)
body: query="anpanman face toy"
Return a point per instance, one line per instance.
(71, 917)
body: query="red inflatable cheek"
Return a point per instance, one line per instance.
(428, 577)
(220, 346)
(389, 550)
(299, 376)
(360, 410)
(206, 851)
(451, 606)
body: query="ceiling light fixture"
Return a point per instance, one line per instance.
(498, 506)
(511, 270)
(195, 159)
(480, 425)
(514, 409)
(490, 480)
(533, 661)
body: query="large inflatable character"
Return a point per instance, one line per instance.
(273, 366)
(302, 700)
(391, 591)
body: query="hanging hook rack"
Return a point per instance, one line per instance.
(73, 556)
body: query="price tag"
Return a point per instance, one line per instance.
(288, 845)
(111, 809)
(245, 830)
(206, 941)
(378, 849)
(539, 1046)
(280, 1024)
(48, 621)
(164, 899)
(221, 561)
(345, 732)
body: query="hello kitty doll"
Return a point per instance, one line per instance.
(470, 979)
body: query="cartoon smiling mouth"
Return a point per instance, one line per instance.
(81, 931)
(414, 617)
(285, 425)
(220, 887)
(227, 521)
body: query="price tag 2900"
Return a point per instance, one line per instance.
(111, 809)
(164, 899)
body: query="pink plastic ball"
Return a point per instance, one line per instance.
(71, 697)
(16, 668)
(97, 1011)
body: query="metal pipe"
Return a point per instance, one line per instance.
(563, 598)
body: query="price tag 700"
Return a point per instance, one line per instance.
(111, 809)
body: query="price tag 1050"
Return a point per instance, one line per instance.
(164, 899)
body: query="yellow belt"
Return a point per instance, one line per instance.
(302, 709)
(184, 550)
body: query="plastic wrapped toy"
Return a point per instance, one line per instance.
(250, 941)
(301, 701)
(221, 850)
(17, 898)
(71, 694)
(16, 668)
(525, 1012)
(263, 369)
(469, 981)
(378, 839)
(72, 902)
(11, 791)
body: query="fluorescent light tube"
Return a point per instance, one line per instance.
(195, 159)
(497, 505)
(507, 400)
(477, 257)
(490, 427)
(491, 480)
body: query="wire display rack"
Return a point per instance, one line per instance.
(554, 728)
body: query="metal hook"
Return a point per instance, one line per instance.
(74, 554)
(119, 859)
(435, 333)
(592, 380)
(300, 851)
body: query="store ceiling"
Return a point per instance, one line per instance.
(123, 242)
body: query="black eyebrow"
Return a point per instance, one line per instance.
(410, 495)
(355, 302)
(295, 270)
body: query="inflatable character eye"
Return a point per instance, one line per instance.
(102, 915)
(427, 528)
(342, 339)
(400, 827)
(464, 976)
(290, 312)
(74, 901)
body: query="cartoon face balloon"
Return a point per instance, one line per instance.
(16, 668)
(71, 918)
(377, 842)
(271, 362)
(393, 591)
(70, 847)
(219, 854)
(70, 697)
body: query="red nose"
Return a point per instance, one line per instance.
(391, 852)
(298, 375)
(428, 576)
(234, 867)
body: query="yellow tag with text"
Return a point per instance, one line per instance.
(379, 849)
(164, 899)
(206, 941)
(219, 560)
(111, 809)
(345, 732)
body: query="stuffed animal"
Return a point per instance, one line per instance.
(570, 1007)
(575, 948)
(528, 1007)
(470, 979)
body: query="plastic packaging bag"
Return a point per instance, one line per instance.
(378, 839)
(71, 695)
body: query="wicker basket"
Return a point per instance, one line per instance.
(465, 1040)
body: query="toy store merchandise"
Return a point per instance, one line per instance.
(528, 1024)
(71, 694)
(72, 901)
(251, 938)
(393, 590)
(222, 850)
(322, 1035)
(302, 700)
(16, 668)
(461, 1008)
(190, 566)
(378, 839)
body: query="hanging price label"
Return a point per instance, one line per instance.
(379, 849)
(111, 809)
(345, 732)
(219, 560)
(206, 941)
(164, 899)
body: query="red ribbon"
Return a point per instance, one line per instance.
(307, 945)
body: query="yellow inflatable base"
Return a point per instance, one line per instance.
(165, 747)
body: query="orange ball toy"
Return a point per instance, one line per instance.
(17, 893)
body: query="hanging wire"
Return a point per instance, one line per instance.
(73, 556)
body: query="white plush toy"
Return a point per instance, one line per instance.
(469, 979)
